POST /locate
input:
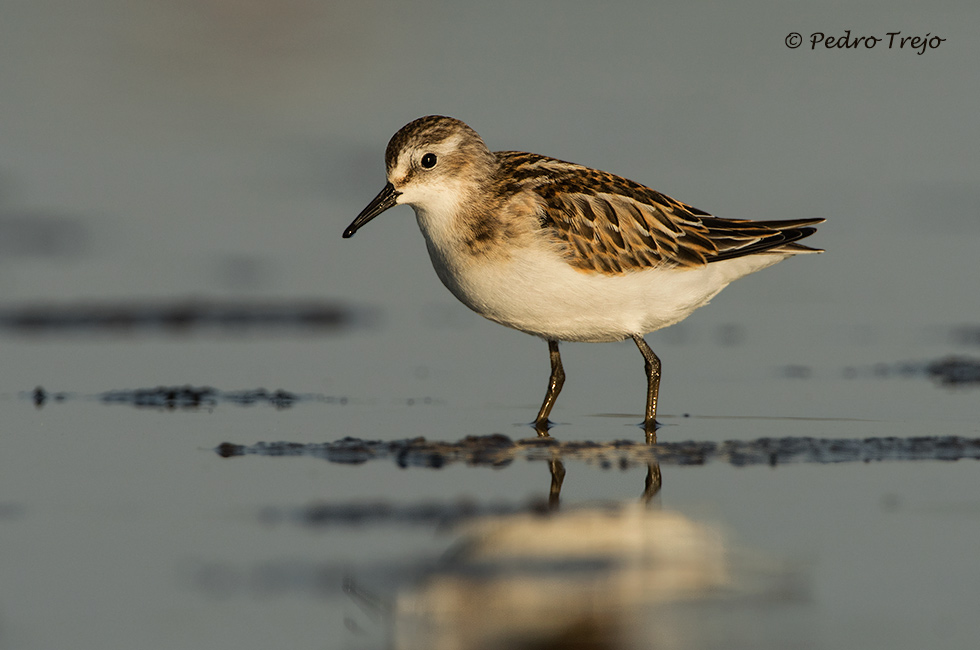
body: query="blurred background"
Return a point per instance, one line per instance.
(219, 147)
(170, 153)
(215, 150)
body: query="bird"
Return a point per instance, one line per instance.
(565, 252)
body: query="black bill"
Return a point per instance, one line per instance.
(384, 200)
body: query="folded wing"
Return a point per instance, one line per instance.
(611, 225)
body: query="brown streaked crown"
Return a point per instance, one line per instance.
(428, 130)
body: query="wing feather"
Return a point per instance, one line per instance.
(611, 225)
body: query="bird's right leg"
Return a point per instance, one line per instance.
(555, 383)
(652, 367)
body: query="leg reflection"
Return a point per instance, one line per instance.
(557, 476)
(653, 482)
(651, 485)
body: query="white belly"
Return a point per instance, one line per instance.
(537, 292)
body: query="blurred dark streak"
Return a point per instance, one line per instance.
(188, 397)
(499, 451)
(953, 371)
(434, 513)
(966, 334)
(183, 317)
(32, 234)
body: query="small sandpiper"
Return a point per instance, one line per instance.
(566, 252)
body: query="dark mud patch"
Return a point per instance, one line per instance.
(499, 451)
(183, 318)
(188, 397)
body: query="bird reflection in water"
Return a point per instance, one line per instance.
(599, 576)
(586, 578)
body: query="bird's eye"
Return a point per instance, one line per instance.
(429, 160)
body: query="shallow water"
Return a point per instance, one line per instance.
(226, 427)
(257, 516)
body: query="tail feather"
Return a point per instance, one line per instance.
(737, 238)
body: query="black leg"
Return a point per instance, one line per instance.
(554, 387)
(652, 366)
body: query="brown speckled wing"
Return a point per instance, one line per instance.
(611, 225)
